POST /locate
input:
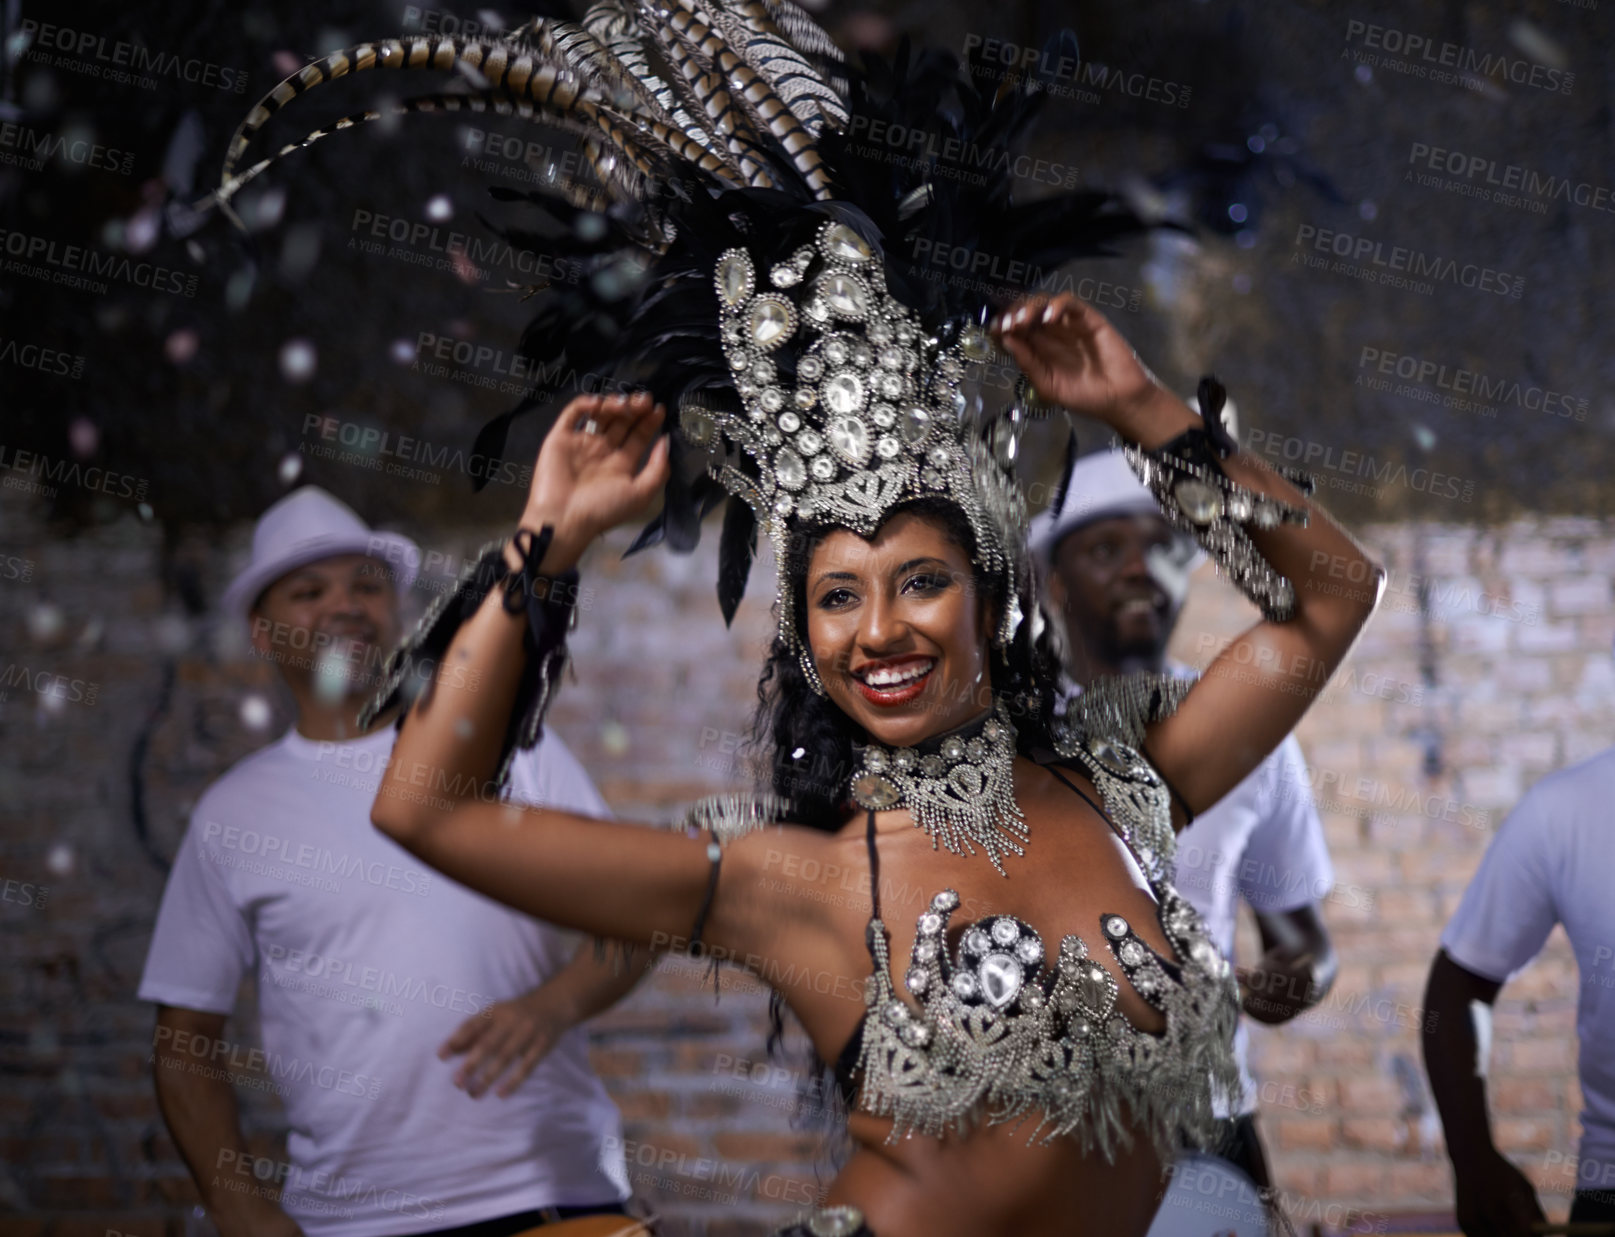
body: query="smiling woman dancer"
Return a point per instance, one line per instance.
(786, 249)
(1120, 1030)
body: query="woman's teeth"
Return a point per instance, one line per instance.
(896, 676)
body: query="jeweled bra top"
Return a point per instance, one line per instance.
(1006, 1032)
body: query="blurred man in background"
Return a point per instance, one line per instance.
(1552, 862)
(368, 967)
(1117, 575)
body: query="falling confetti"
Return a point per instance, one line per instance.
(255, 713)
(83, 437)
(614, 738)
(402, 351)
(297, 360)
(45, 621)
(291, 468)
(1368, 209)
(440, 209)
(181, 346)
(1424, 437)
(60, 860)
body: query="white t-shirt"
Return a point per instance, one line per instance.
(1262, 842)
(1553, 861)
(366, 961)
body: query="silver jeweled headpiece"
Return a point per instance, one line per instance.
(872, 416)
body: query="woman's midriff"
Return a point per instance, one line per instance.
(992, 1183)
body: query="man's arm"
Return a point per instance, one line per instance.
(1494, 1198)
(200, 1109)
(516, 1035)
(1297, 967)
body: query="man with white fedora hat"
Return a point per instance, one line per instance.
(368, 967)
(1116, 576)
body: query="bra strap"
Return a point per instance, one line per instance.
(1103, 814)
(874, 866)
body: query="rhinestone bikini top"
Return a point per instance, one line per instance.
(1005, 1032)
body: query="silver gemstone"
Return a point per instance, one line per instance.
(698, 425)
(772, 400)
(1200, 503)
(762, 372)
(809, 442)
(835, 352)
(871, 790)
(933, 479)
(976, 749)
(1006, 931)
(938, 455)
(1240, 506)
(904, 759)
(1029, 950)
(916, 424)
(947, 900)
(892, 358)
(817, 310)
(844, 294)
(823, 468)
(889, 384)
(880, 331)
(964, 985)
(783, 276)
(783, 505)
(930, 923)
(770, 321)
(1266, 515)
(739, 360)
(875, 760)
(894, 1012)
(883, 415)
(871, 990)
(849, 439)
(1001, 978)
(1032, 998)
(977, 941)
(840, 1221)
(789, 422)
(953, 748)
(916, 1034)
(1131, 953)
(843, 392)
(925, 951)
(734, 278)
(790, 470)
(975, 343)
(888, 448)
(917, 979)
(806, 397)
(862, 357)
(842, 244)
(932, 766)
(1115, 926)
(810, 367)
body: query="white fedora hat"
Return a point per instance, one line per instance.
(310, 524)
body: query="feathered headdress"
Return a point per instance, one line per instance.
(756, 219)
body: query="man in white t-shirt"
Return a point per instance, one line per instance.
(1552, 862)
(372, 971)
(1116, 578)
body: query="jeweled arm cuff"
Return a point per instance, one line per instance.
(1197, 497)
(549, 603)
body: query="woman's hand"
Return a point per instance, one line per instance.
(589, 476)
(1075, 358)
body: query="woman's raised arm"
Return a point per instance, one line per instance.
(1257, 689)
(597, 467)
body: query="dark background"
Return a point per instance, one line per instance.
(188, 394)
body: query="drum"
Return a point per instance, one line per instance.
(590, 1226)
(1209, 1197)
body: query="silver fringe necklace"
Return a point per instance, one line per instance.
(959, 787)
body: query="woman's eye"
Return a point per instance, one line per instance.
(834, 599)
(930, 583)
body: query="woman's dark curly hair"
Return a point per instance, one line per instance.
(811, 760)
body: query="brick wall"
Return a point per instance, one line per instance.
(1456, 700)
